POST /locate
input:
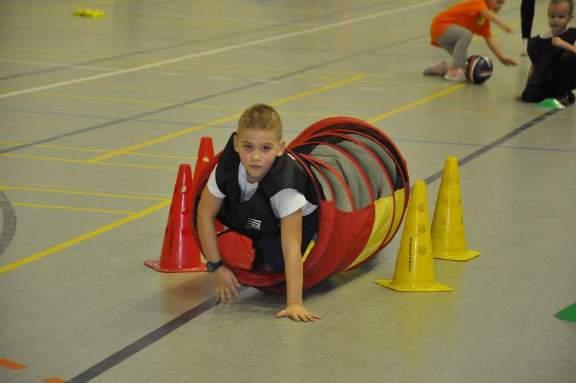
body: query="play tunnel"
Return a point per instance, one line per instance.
(361, 182)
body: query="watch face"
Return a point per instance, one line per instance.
(213, 266)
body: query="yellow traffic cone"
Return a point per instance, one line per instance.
(414, 263)
(448, 237)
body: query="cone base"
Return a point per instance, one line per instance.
(462, 256)
(156, 266)
(428, 288)
(568, 314)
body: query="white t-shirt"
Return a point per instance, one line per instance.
(283, 203)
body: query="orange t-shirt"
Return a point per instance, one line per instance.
(465, 14)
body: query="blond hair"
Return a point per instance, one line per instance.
(263, 117)
(570, 2)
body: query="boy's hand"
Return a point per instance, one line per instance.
(226, 285)
(507, 29)
(508, 61)
(298, 313)
(558, 42)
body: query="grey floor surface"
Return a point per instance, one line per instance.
(96, 114)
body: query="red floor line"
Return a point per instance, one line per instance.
(11, 365)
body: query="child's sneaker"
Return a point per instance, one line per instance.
(456, 74)
(568, 99)
(438, 69)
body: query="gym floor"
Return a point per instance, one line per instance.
(98, 112)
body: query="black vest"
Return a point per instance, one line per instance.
(545, 56)
(255, 216)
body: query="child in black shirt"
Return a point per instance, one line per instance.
(553, 56)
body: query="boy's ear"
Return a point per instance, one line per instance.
(282, 147)
(235, 141)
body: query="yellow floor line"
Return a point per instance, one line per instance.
(222, 49)
(115, 100)
(321, 89)
(42, 189)
(169, 156)
(56, 147)
(69, 160)
(81, 238)
(414, 104)
(71, 208)
(222, 120)
(158, 140)
(123, 221)
(95, 150)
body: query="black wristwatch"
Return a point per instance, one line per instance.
(213, 266)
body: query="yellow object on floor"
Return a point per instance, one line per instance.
(414, 263)
(448, 234)
(86, 12)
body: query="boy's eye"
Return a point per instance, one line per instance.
(266, 148)
(247, 146)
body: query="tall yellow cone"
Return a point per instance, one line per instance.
(414, 263)
(448, 237)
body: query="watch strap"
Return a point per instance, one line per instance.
(213, 266)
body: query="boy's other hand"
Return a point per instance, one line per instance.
(298, 313)
(507, 29)
(558, 42)
(508, 61)
(226, 285)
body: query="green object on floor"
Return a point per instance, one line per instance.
(551, 103)
(569, 313)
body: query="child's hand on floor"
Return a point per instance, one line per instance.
(226, 285)
(508, 61)
(298, 313)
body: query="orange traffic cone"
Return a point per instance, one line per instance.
(448, 234)
(414, 264)
(180, 253)
(205, 156)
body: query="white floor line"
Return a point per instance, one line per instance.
(41, 63)
(219, 50)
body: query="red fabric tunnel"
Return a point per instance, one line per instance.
(362, 184)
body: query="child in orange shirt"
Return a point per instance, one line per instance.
(453, 28)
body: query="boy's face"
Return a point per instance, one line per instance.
(559, 17)
(495, 5)
(257, 149)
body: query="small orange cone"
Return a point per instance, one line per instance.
(448, 236)
(205, 156)
(414, 264)
(180, 253)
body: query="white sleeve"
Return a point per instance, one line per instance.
(213, 186)
(286, 202)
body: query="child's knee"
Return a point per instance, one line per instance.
(568, 61)
(568, 57)
(531, 94)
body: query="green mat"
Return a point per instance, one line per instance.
(551, 103)
(569, 313)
